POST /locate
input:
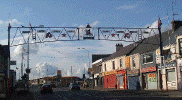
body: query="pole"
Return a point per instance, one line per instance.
(22, 65)
(161, 53)
(9, 27)
(28, 61)
(71, 74)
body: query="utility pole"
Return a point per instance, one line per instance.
(9, 27)
(161, 47)
(28, 60)
(71, 75)
(22, 64)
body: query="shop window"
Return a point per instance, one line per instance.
(171, 75)
(148, 58)
(113, 64)
(105, 67)
(167, 54)
(121, 65)
(133, 61)
(180, 46)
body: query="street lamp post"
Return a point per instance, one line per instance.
(88, 55)
(88, 64)
(71, 74)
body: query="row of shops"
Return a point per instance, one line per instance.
(146, 78)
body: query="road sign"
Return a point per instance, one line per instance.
(12, 62)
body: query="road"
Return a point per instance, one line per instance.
(65, 94)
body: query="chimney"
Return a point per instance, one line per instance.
(119, 46)
(176, 24)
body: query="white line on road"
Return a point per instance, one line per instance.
(65, 98)
(86, 94)
(59, 96)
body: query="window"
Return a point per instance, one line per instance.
(133, 61)
(105, 67)
(167, 54)
(180, 46)
(148, 58)
(121, 63)
(113, 64)
(171, 75)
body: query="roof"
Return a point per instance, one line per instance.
(6, 50)
(124, 51)
(149, 44)
(97, 61)
(173, 35)
(99, 56)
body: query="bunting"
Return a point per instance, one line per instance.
(159, 23)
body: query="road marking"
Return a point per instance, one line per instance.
(65, 98)
(59, 96)
(86, 94)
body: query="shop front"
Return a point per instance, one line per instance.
(168, 73)
(109, 79)
(179, 71)
(2, 84)
(149, 78)
(121, 79)
(133, 79)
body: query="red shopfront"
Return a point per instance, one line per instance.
(109, 79)
(121, 79)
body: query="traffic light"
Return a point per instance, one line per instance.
(83, 76)
(24, 77)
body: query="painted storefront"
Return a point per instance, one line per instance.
(109, 79)
(149, 78)
(133, 79)
(168, 73)
(121, 79)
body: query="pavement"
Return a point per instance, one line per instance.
(169, 93)
(23, 96)
(156, 93)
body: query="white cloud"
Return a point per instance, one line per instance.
(74, 24)
(13, 22)
(95, 23)
(33, 49)
(155, 31)
(127, 7)
(46, 69)
(1, 22)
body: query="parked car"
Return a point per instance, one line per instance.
(85, 85)
(46, 88)
(21, 87)
(53, 85)
(74, 86)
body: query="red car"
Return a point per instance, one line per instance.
(46, 88)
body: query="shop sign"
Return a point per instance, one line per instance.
(2, 74)
(167, 65)
(58, 72)
(152, 77)
(148, 69)
(133, 72)
(109, 73)
(127, 62)
(121, 71)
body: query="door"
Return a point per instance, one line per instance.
(144, 81)
(134, 82)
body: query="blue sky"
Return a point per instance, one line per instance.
(99, 13)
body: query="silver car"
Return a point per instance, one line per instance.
(74, 86)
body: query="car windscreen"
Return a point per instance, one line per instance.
(75, 84)
(46, 86)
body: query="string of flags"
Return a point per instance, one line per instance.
(159, 23)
